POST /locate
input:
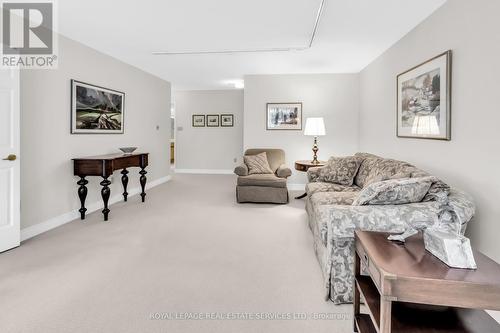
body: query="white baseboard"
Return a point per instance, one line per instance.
(296, 187)
(57, 221)
(205, 171)
(494, 314)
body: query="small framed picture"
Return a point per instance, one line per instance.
(226, 120)
(284, 116)
(212, 120)
(424, 100)
(198, 120)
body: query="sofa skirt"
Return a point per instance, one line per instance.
(261, 194)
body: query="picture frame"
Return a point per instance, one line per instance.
(96, 110)
(284, 116)
(198, 120)
(226, 120)
(423, 109)
(213, 120)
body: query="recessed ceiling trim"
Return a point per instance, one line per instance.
(275, 49)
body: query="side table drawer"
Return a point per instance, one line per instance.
(367, 265)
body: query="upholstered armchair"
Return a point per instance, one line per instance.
(266, 187)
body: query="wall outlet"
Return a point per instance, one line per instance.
(157, 127)
(180, 128)
(235, 160)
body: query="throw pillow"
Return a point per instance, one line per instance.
(394, 191)
(381, 178)
(257, 164)
(340, 170)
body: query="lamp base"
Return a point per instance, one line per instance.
(315, 151)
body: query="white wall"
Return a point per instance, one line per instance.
(332, 96)
(48, 186)
(471, 159)
(208, 148)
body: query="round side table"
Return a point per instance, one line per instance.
(304, 166)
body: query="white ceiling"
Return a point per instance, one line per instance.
(351, 34)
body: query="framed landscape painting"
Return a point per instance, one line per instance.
(212, 120)
(226, 120)
(424, 100)
(96, 109)
(284, 116)
(198, 120)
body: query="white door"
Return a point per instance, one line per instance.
(10, 230)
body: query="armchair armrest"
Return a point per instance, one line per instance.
(283, 171)
(313, 174)
(241, 170)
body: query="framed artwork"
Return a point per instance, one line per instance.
(96, 110)
(212, 120)
(226, 120)
(198, 120)
(284, 116)
(424, 100)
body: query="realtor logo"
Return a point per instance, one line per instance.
(28, 38)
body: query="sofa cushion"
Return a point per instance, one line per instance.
(381, 178)
(382, 168)
(340, 170)
(364, 169)
(267, 180)
(312, 188)
(394, 191)
(257, 164)
(334, 198)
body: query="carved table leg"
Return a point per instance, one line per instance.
(105, 192)
(82, 194)
(143, 183)
(125, 183)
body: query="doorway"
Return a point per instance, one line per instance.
(10, 168)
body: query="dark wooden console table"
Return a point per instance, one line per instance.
(103, 166)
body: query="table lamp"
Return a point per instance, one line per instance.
(315, 127)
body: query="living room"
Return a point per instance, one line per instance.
(248, 231)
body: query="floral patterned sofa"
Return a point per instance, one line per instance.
(333, 217)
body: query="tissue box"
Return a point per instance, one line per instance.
(454, 250)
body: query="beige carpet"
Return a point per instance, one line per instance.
(189, 249)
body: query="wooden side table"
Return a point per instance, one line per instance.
(409, 290)
(304, 166)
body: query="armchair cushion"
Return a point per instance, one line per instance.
(283, 171)
(265, 180)
(241, 170)
(340, 170)
(257, 164)
(394, 191)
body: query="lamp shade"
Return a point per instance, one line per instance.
(315, 126)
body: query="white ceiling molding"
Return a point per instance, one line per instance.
(278, 49)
